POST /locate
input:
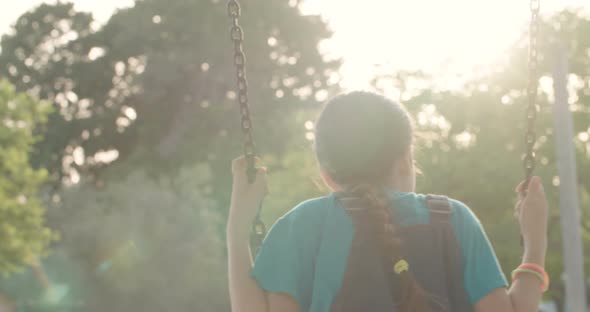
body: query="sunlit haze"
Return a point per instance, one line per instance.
(421, 34)
(141, 165)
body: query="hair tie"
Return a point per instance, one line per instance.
(401, 266)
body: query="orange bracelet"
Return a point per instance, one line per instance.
(535, 270)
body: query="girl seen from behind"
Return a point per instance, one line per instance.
(373, 244)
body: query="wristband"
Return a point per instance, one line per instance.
(538, 268)
(535, 270)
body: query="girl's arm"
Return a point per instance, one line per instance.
(245, 293)
(525, 293)
(523, 296)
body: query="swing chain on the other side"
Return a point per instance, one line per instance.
(531, 111)
(237, 36)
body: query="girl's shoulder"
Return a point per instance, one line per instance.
(462, 215)
(309, 211)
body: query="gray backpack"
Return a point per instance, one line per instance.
(435, 260)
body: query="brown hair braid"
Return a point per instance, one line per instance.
(379, 220)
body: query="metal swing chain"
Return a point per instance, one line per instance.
(237, 36)
(530, 136)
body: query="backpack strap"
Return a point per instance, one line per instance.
(440, 208)
(440, 218)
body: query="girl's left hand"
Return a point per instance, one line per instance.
(246, 197)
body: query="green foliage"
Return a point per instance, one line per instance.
(158, 75)
(293, 178)
(147, 243)
(23, 235)
(44, 55)
(156, 85)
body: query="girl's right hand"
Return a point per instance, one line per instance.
(246, 197)
(533, 213)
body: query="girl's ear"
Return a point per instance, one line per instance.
(333, 185)
(406, 164)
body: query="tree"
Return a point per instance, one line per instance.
(195, 81)
(146, 86)
(45, 55)
(146, 81)
(23, 235)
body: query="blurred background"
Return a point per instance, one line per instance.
(119, 123)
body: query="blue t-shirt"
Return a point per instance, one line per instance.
(305, 252)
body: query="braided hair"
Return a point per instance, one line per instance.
(359, 138)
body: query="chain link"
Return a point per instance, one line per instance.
(530, 136)
(237, 36)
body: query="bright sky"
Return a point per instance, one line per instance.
(416, 34)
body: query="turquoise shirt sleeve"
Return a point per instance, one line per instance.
(482, 272)
(285, 261)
